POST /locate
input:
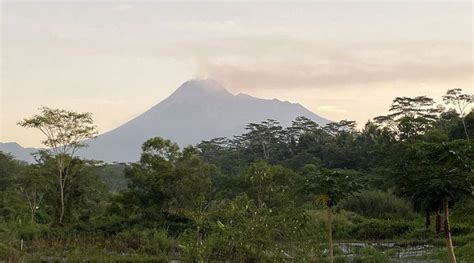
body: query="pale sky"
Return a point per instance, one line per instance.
(342, 60)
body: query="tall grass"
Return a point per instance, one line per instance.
(378, 204)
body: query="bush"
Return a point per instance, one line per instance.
(31, 231)
(380, 229)
(344, 221)
(378, 204)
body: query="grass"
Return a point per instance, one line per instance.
(155, 245)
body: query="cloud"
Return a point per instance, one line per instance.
(325, 75)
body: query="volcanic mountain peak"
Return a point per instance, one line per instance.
(200, 87)
(197, 110)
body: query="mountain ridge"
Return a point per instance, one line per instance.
(19, 152)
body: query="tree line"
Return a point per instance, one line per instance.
(249, 197)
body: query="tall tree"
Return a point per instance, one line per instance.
(65, 132)
(33, 185)
(335, 128)
(410, 117)
(193, 190)
(299, 126)
(461, 102)
(264, 136)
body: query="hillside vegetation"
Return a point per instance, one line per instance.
(401, 188)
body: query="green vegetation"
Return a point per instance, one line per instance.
(378, 204)
(401, 188)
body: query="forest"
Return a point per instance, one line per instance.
(399, 189)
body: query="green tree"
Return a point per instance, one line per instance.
(84, 194)
(329, 187)
(168, 183)
(150, 181)
(263, 138)
(193, 188)
(437, 172)
(461, 102)
(269, 185)
(410, 117)
(9, 167)
(223, 153)
(65, 132)
(33, 185)
(342, 126)
(299, 126)
(12, 202)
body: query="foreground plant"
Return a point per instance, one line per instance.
(440, 172)
(329, 187)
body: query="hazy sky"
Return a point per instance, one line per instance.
(342, 60)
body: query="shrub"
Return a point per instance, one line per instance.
(380, 229)
(378, 204)
(31, 231)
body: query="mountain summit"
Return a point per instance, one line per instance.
(198, 110)
(206, 86)
(197, 90)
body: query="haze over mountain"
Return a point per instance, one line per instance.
(196, 111)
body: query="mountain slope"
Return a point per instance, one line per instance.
(17, 151)
(197, 110)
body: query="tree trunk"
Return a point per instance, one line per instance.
(331, 245)
(438, 222)
(61, 190)
(35, 203)
(427, 218)
(465, 128)
(31, 203)
(200, 258)
(266, 154)
(447, 232)
(61, 171)
(198, 234)
(33, 212)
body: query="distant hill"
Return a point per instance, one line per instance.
(17, 151)
(196, 111)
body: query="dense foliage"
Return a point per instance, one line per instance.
(264, 196)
